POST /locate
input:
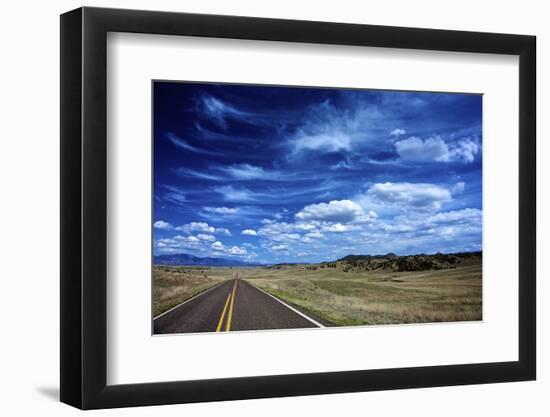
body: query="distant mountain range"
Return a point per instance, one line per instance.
(186, 259)
(390, 261)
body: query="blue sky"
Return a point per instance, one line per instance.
(282, 174)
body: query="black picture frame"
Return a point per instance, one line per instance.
(84, 207)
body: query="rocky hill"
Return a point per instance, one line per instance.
(392, 262)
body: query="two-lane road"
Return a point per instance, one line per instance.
(231, 306)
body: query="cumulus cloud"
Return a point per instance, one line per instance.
(340, 211)
(177, 244)
(235, 250)
(161, 224)
(204, 228)
(279, 247)
(249, 232)
(336, 228)
(196, 227)
(203, 236)
(397, 132)
(466, 150)
(436, 149)
(416, 149)
(410, 195)
(218, 246)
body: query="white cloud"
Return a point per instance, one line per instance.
(196, 227)
(175, 196)
(235, 250)
(324, 142)
(315, 235)
(279, 232)
(230, 193)
(340, 211)
(305, 226)
(202, 236)
(249, 232)
(416, 149)
(249, 172)
(458, 187)
(204, 228)
(161, 224)
(221, 210)
(177, 244)
(217, 245)
(466, 150)
(436, 149)
(182, 144)
(279, 247)
(336, 228)
(222, 231)
(409, 196)
(457, 216)
(397, 133)
(219, 111)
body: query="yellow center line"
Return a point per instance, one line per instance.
(228, 327)
(223, 313)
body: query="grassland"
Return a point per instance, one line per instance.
(343, 293)
(375, 297)
(174, 284)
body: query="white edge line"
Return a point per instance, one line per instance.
(290, 307)
(189, 299)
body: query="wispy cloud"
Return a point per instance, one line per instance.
(221, 210)
(235, 194)
(220, 111)
(184, 145)
(204, 175)
(175, 195)
(248, 172)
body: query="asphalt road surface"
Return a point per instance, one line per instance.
(231, 306)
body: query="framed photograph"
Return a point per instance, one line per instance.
(256, 208)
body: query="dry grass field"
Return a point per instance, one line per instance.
(376, 297)
(174, 284)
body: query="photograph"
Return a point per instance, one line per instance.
(290, 207)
